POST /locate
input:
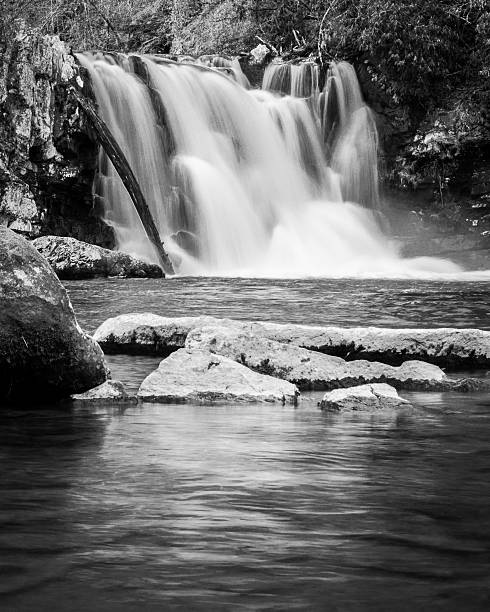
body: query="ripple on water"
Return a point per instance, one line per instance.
(403, 303)
(251, 507)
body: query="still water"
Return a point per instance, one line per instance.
(251, 508)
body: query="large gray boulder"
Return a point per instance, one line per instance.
(199, 377)
(74, 259)
(43, 352)
(363, 398)
(450, 348)
(309, 369)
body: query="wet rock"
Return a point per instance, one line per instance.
(308, 369)
(471, 385)
(48, 153)
(443, 346)
(363, 398)
(146, 333)
(109, 391)
(18, 209)
(43, 352)
(200, 377)
(451, 348)
(73, 259)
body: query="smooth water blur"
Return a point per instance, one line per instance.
(246, 508)
(155, 507)
(245, 182)
(347, 302)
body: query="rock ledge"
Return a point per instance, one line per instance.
(72, 259)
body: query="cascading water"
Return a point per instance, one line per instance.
(246, 182)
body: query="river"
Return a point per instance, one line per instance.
(154, 507)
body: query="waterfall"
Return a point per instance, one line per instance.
(278, 181)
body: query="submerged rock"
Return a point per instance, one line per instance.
(73, 259)
(109, 391)
(43, 352)
(363, 398)
(201, 377)
(308, 369)
(451, 348)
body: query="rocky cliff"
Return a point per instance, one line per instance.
(48, 156)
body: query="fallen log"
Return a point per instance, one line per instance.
(167, 138)
(120, 163)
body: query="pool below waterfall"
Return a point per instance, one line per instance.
(155, 507)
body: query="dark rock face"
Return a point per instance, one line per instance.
(48, 158)
(435, 168)
(73, 259)
(43, 352)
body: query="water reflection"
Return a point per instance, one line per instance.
(42, 454)
(219, 508)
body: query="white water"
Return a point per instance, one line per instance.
(248, 182)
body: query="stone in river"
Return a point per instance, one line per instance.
(43, 352)
(107, 392)
(363, 398)
(452, 348)
(446, 347)
(201, 377)
(73, 259)
(309, 369)
(146, 333)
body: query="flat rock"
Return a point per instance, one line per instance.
(73, 259)
(363, 398)
(109, 391)
(456, 348)
(308, 369)
(447, 347)
(201, 377)
(146, 333)
(43, 352)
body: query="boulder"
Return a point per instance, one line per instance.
(107, 392)
(363, 398)
(308, 369)
(447, 347)
(259, 55)
(146, 333)
(43, 352)
(200, 377)
(73, 259)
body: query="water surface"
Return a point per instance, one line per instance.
(156, 507)
(386, 303)
(220, 508)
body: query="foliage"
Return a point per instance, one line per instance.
(108, 25)
(211, 26)
(415, 50)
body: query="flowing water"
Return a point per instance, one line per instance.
(155, 507)
(246, 182)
